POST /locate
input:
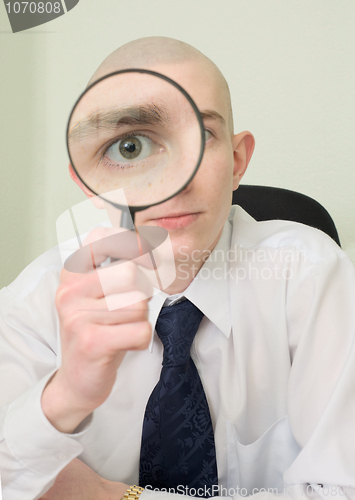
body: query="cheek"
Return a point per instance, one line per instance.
(217, 173)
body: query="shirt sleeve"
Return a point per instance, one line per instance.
(320, 312)
(32, 451)
(321, 396)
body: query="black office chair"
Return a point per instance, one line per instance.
(270, 203)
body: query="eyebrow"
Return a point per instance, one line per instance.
(112, 119)
(211, 114)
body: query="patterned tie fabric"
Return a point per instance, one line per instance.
(178, 446)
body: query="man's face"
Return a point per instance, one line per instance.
(207, 199)
(196, 216)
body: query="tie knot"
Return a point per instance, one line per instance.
(176, 327)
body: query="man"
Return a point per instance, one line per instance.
(275, 349)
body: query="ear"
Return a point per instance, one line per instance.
(243, 148)
(96, 200)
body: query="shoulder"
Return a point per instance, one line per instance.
(314, 245)
(27, 306)
(29, 326)
(46, 268)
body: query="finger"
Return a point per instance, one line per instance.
(111, 339)
(125, 277)
(126, 244)
(99, 313)
(100, 244)
(105, 290)
(130, 336)
(75, 290)
(116, 243)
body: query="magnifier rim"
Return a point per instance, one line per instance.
(138, 208)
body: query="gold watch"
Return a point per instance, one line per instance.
(133, 492)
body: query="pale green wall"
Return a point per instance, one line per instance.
(290, 65)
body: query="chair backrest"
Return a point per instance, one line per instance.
(269, 203)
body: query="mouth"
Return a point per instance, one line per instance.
(176, 221)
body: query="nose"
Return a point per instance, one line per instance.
(187, 188)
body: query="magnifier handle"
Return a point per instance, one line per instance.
(127, 219)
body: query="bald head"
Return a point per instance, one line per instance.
(151, 52)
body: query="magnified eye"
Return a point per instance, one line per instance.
(208, 135)
(130, 148)
(133, 147)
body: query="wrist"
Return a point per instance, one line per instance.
(61, 410)
(114, 490)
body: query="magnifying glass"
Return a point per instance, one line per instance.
(135, 139)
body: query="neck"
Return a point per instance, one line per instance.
(187, 269)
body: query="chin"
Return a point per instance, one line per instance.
(184, 247)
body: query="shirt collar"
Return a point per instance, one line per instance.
(209, 291)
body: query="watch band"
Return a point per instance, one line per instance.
(133, 492)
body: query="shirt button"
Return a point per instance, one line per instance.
(61, 456)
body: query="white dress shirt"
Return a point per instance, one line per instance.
(275, 353)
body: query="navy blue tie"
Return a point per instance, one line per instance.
(178, 446)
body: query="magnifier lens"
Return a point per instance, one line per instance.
(135, 131)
